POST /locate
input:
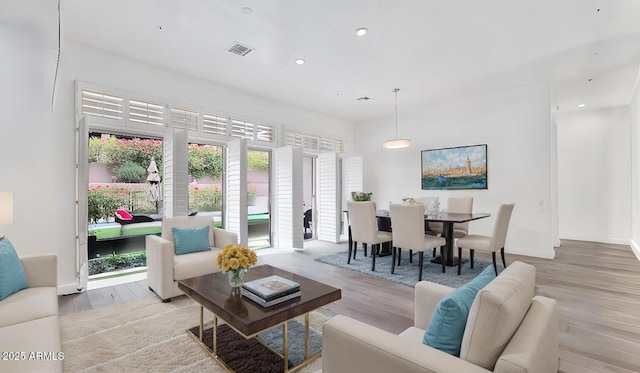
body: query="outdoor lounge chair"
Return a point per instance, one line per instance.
(123, 217)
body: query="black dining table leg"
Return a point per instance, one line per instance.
(350, 247)
(447, 234)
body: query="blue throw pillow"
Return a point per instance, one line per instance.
(191, 240)
(449, 319)
(12, 276)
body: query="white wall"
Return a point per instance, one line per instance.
(634, 107)
(594, 175)
(516, 126)
(37, 151)
(36, 144)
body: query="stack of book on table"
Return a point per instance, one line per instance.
(272, 290)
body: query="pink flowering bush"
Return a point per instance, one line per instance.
(205, 198)
(103, 201)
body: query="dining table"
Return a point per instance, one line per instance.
(448, 219)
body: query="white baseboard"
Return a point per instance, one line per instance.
(635, 248)
(547, 254)
(615, 241)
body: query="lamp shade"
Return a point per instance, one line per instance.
(6, 208)
(397, 144)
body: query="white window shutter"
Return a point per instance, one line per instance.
(82, 215)
(167, 174)
(236, 190)
(328, 198)
(141, 111)
(102, 104)
(288, 198)
(214, 124)
(175, 174)
(180, 173)
(352, 176)
(183, 118)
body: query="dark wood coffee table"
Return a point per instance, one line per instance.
(248, 318)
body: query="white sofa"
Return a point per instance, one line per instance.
(507, 330)
(29, 323)
(164, 268)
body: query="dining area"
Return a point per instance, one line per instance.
(419, 226)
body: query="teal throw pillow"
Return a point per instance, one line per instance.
(449, 319)
(12, 276)
(191, 240)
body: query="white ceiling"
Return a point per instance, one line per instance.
(433, 50)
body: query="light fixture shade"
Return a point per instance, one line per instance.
(6, 208)
(396, 144)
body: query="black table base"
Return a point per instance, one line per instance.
(449, 263)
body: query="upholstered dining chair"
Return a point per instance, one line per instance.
(488, 244)
(364, 229)
(407, 226)
(458, 205)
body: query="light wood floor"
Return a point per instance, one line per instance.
(597, 287)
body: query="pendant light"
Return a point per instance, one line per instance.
(397, 143)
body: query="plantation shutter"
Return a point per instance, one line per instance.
(183, 118)
(180, 173)
(236, 190)
(82, 215)
(294, 139)
(141, 111)
(214, 124)
(352, 176)
(175, 174)
(241, 129)
(102, 104)
(328, 198)
(288, 196)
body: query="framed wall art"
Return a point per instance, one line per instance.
(462, 167)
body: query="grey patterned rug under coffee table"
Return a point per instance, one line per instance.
(407, 273)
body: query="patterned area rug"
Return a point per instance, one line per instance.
(150, 336)
(249, 355)
(407, 273)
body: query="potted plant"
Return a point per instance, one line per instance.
(361, 196)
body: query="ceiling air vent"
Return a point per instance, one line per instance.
(363, 98)
(239, 49)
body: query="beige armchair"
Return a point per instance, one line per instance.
(488, 244)
(508, 330)
(165, 268)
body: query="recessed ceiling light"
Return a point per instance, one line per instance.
(300, 61)
(247, 10)
(580, 105)
(361, 31)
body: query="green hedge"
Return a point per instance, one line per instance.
(117, 262)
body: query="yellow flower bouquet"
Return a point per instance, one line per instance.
(236, 260)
